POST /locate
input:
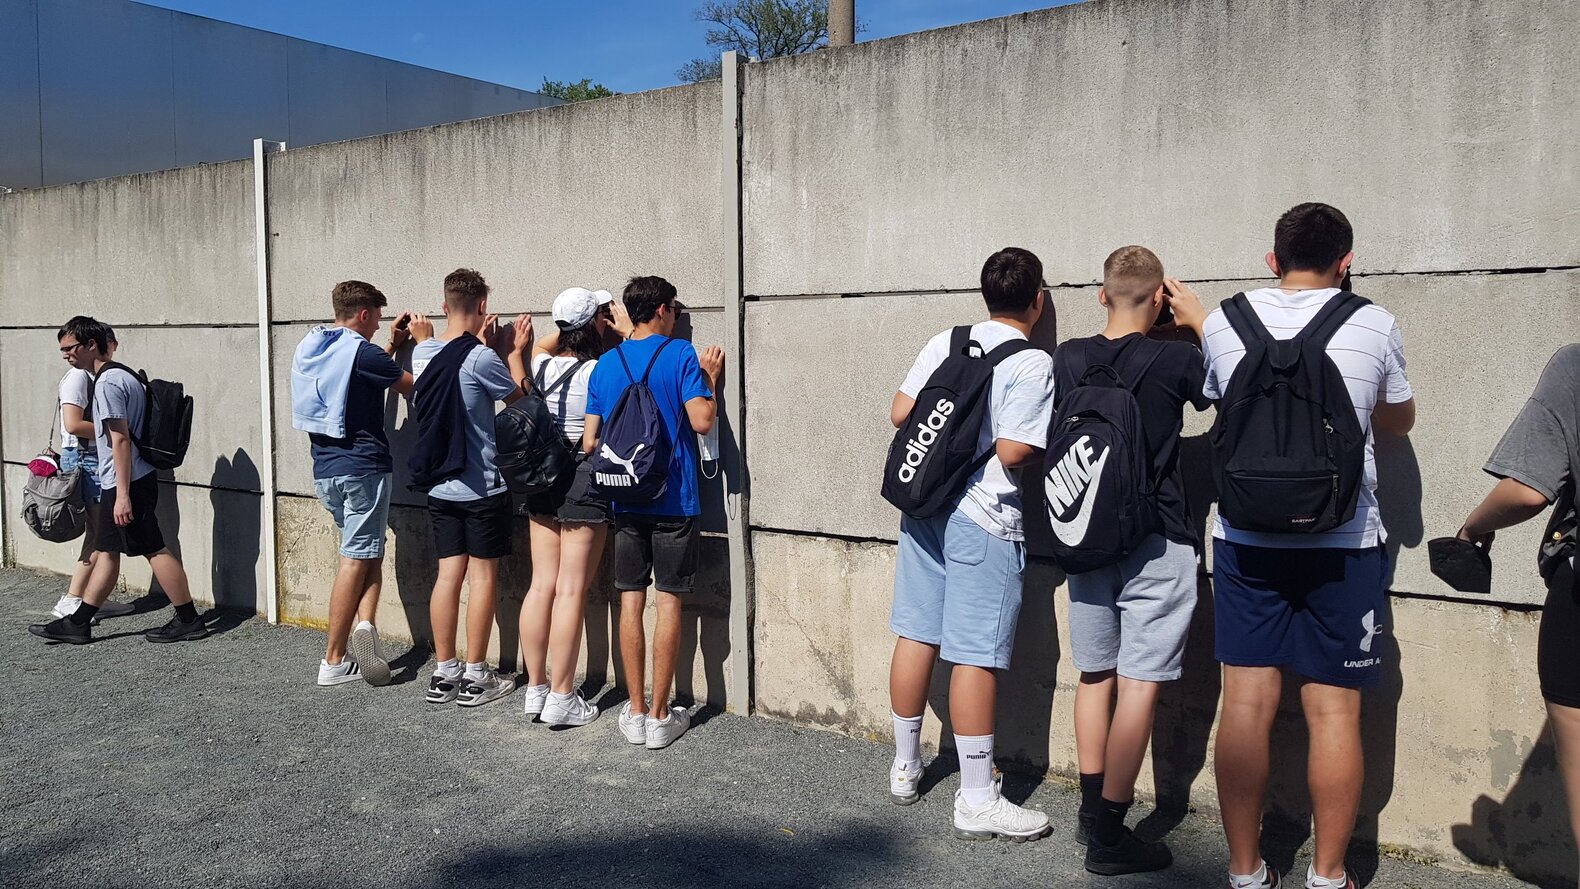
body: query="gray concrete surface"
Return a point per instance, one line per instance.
(220, 764)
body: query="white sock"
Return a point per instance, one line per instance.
(68, 604)
(1249, 881)
(451, 668)
(476, 669)
(1315, 882)
(907, 739)
(560, 698)
(361, 624)
(976, 768)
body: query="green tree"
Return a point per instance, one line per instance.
(579, 91)
(757, 29)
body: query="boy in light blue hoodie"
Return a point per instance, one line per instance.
(338, 380)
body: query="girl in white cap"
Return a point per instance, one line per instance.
(569, 521)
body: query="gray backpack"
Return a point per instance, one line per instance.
(52, 505)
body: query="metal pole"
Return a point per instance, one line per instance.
(841, 22)
(738, 684)
(260, 218)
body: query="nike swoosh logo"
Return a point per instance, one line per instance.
(1071, 533)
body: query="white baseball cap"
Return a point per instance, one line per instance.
(577, 306)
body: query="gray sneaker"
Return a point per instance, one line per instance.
(364, 647)
(479, 690)
(663, 732)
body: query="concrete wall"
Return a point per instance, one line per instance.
(873, 182)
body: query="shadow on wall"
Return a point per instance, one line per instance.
(1529, 832)
(237, 529)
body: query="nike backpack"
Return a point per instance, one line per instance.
(1288, 451)
(531, 447)
(167, 420)
(934, 453)
(631, 464)
(1099, 485)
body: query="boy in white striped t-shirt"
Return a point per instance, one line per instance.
(1314, 604)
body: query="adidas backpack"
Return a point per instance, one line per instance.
(1288, 451)
(934, 453)
(167, 420)
(1099, 486)
(631, 464)
(531, 447)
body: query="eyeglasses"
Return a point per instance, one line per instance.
(67, 350)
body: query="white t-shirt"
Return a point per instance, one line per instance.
(568, 404)
(74, 388)
(1368, 351)
(1019, 409)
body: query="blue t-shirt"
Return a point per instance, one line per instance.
(484, 380)
(676, 379)
(364, 449)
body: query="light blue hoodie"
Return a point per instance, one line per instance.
(320, 378)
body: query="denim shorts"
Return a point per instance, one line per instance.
(88, 462)
(958, 587)
(361, 507)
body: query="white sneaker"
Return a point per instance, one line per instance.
(998, 817)
(365, 648)
(339, 674)
(533, 699)
(633, 725)
(65, 606)
(663, 732)
(575, 711)
(905, 783)
(477, 690)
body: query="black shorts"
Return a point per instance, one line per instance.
(142, 536)
(655, 546)
(477, 528)
(572, 499)
(1558, 641)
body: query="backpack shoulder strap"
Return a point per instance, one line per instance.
(1242, 317)
(1149, 351)
(1332, 316)
(959, 340)
(563, 381)
(619, 352)
(1005, 349)
(654, 360)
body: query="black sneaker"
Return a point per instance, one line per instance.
(1084, 822)
(1128, 856)
(113, 609)
(178, 630)
(61, 629)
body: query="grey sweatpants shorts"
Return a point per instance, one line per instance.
(1133, 616)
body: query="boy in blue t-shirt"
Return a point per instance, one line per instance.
(656, 541)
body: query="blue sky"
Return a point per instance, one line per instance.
(628, 45)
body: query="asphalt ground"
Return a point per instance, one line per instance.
(220, 763)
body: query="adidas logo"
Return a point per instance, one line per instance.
(926, 433)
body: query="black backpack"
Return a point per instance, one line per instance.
(167, 420)
(531, 449)
(1288, 451)
(1099, 485)
(631, 464)
(934, 453)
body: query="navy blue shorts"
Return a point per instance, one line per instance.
(1319, 612)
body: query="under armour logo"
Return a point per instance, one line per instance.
(1370, 625)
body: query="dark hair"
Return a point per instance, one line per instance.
(464, 289)
(584, 342)
(1010, 281)
(351, 297)
(87, 330)
(1311, 238)
(644, 294)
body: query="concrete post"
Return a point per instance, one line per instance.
(841, 22)
(736, 497)
(260, 218)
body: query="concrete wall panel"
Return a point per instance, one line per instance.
(898, 164)
(588, 194)
(174, 247)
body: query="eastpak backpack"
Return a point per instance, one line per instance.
(167, 419)
(1100, 491)
(631, 464)
(531, 447)
(1288, 450)
(934, 452)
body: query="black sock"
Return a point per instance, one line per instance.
(1091, 792)
(187, 612)
(1110, 827)
(83, 615)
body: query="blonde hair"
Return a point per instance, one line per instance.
(1131, 275)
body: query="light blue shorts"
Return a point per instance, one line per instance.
(361, 507)
(958, 587)
(88, 462)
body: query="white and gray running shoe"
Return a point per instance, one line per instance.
(633, 725)
(339, 674)
(365, 648)
(442, 689)
(533, 698)
(905, 783)
(575, 711)
(998, 818)
(663, 732)
(479, 690)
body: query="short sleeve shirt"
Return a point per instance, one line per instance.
(568, 404)
(485, 380)
(76, 389)
(1020, 408)
(117, 395)
(365, 448)
(1541, 448)
(676, 378)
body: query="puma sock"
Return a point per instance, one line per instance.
(907, 739)
(1091, 792)
(186, 611)
(976, 768)
(1110, 826)
(83, 615)
(1249, 881)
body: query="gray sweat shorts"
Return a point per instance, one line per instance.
(1134, 616)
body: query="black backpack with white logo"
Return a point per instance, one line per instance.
(531, 447)
(1288, 450)
(1098, 482)
(934, 453)
(631, 464)
(167, 420)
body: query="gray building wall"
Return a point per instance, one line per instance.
(97, 88)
